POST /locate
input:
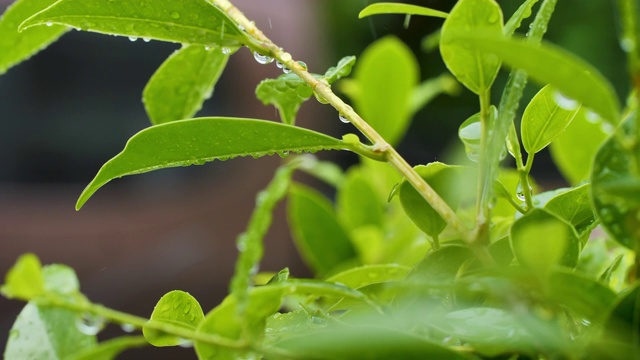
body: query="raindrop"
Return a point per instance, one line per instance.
(184, 343)
(89, 324)
(279, 64)
(283, 154)
(146, 39)
(565, 102)
(303, 65)
(207, 48)
(127, 327)
(393, 192)
(132, 38)
(175, 15)
(286, 70)
(520, 192)
(225, 50)
(592, 117)
(186, 309)
(627, 44)
(241, 243)
(262, 59)
(318, 320)
(285, 57)
(49, 23)
(343, 119)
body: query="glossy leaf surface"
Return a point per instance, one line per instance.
(197, 141)
(540, 241)
(545, 118)
(177, 308)
(396, 8)
(183, 82)
(188, 22)
(548, 64)
(474, 68)
(321, 240)
(15, 46)
(110, 349)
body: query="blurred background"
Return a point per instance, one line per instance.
(70, 108)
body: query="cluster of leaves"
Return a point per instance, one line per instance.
(536, 277)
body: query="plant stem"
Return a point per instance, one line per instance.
(323, 90)
(483, 214)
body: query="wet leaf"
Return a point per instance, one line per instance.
(342, 69)
(523, 12)
(395, 8)
(176, 308)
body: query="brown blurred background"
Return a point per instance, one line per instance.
(72, 107)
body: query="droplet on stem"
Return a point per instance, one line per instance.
(262, 59)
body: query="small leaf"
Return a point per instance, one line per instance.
(540, 241)
(523, 12)
(187, 21)
(197, 141)
(574, 206)
(343, 69)
(574, 150)
(16, 47)
(357, 201)
(474, 69)
(545, 118)
(182, 83)
(549, 64)
(110, 349)
(46, 333)
(370, 274)
(60, 279)
(322, 242)
(287, 92)
(441, 266)
(386, 76)
(395, 8)
(177, 308)
(24, 280)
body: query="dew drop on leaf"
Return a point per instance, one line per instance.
(286, 70)
(49, 23)
(146, 39)
(565, 102)
(279, 64)
(175, 15)
(226, 50)
(89, 324)
(132, 38)
(127, 327)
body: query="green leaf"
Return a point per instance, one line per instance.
(176, 308)
(370, 274)
(182, 83)
(197, 141)
(523, 12)
(442, 179)
(429, 89)
(574, 150)
(574, 206)
(224, 321)
(110, 349)
(470, 133)
(24, 280)
(46, 333)
(473, 68)
(583, 296)
(441, 266)
(322, 242)
(60, 279)
(395, 8)
(549, 64)
(545, 118)
(357, 201)
(287, 92)
(386, 76)
(342, 69)
(16, 47)
(327, 171)
(541, 240)
(187, 21)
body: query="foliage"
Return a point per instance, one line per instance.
(458, 261)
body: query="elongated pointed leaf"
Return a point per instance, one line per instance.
(549, 64)
(183, 82)
(473, 68)
(523, 12)
(395, 8)
(177, 308)
(197, 141)
(545, 118)
(187, 21)
(15, 46)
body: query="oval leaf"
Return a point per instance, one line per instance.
(545, 118)
(574, 206)
(395, 8)
(187, 21)
(549, 64)
(540, 241)
(15, 46)
(177, 308)
(473, 68)
(183, 82)
(197, 141)
(24, 280)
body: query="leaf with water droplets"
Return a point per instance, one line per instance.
(46, 333)
(473, 68)
(15, 46)
(523, 12)
(545, 118)
(343, 69)
(615, 189)
(196, 141)
(321, 240)
(395, 8)
(187, 21)
(24, 280)
(182, 83)
(177, 308)
(549, 64)
(110, 349)
(287, 92)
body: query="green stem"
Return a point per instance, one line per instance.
(323, 90)
(524, 181)
(483, 214)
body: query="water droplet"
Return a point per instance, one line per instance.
(627, 44)
(286, 70)
(89, 324)
(186, 309)
(592, 117)
(285, 57)
(262, 59)
(343, 119)
(303, 65)
(184, 343)
(175, 15)
(127, 327)
(132, 38)
(207, 48)
(49, 23)
(279, 64)
(241, 243)
(225, 50)
(146, 39)
(493, 18)
(586, 322)
(283, 154)
(565, 102)
(520, 192)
